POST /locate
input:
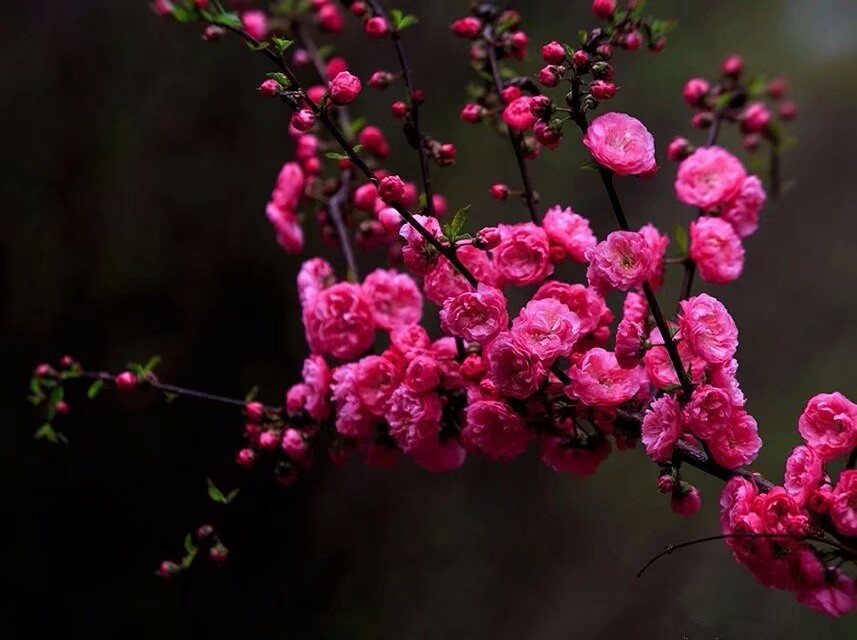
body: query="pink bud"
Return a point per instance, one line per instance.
(201, 4)
(43, 370)
(125, 381)
(580, 59)
(605, 50)
(473, 367)
(344, 88)
(391, 189)
(162, 8)
(246, 458)
(604, 8)
(658, 45)
(218, 553)
(733, 65)
(553, 52)
(602, 90)
(365, 196)
(666, 484)
(376, 27)
(204, 532)
(557, 254)
(751, 142)
(756, 118)
(695, 91)
(548, 76)
(545, 135)
(301, 58)
(358, 8)
(316, 92)
(520, 40)
(294, 445)
(469, 27)
(510, 94)
(373, 141)
(329, 18)
(168, 570)
(499, 191)
(269, 88)
(489, 237)
(380, 80)
(632, 40)
(440, 206)
(678, 149)
(67, 362)
(447, 154)
(269, 440)
(61, 407)
(255, 411)
(303, 120)
(702, 120)
(777, 88)
(255, 23)
(335, 66)
(788, 111)
(472, 113)
(686, 503)
(399, 109)
(212, 32)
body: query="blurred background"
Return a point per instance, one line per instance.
(137, 163)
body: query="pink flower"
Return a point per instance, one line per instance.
(374, 380)
(496, 430)
(836, 597)
(515, 371)
(662, 427)
(709, 330)
(339, 322)
(294, 445)
(290, 187)
(523, 255)
(417, 253)
(548, 328)
(443, 281)
(479, 264)
(635, 308)
(686, 503)
(738, 444)
(423, 374)
(518, 114)
(843, 511)
(622, 144)
(344, 88)
(658, 243)
(597, 380)
(736, 501)
(742, 212)
(315, 274)
(393, 297)
(725, 376)
(708, 412)
(622, 261)
(628, 348)
(716, 249)
(316, 376)
(414, 419)
(659, 366)
(828, 424)
(255, 23)
(586, 303)
(570, 231)
(290, 235)
(709, 177)
(563, 456)
(391, 189)
(804, 473)
(477, 316)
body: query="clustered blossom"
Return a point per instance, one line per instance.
(507, 371)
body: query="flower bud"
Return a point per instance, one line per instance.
(269, 88)
(580, 59)
(546, 135)
(605, 50)
(604, 9)
(245, 458)
(472, 113)
(218, 553)
(553, 53)
(344, 88)
(510, 94)
(468, 28)
(548, 76)
(269, 440)
(162, 8)
(777, 88)
(602, 90)
(751, 142)
(358, 8)
(391, 189)
(756, 118)
(788, 111)
(330, 19)
(376, 27)
(603, 71)
(473, 367)
(666, 484)
(380, 80)
(125, 381)
(399, 109)
(499, 191)
(294, 445)
(43, 370)
(61, 407)
(212, 33)
(204, 532)
(632, 40)
(168, 570)
(733, 65)
(679, 149)
(489, 237)
(303, 120)
(695, 91)
(702, 120)
(686, 502)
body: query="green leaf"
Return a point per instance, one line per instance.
(452, 229)
(252, 394)
(228, 20)
(94, 389)
(278, 77)
(723, 100)
(189, 546)
(214, 493)
(681, 238)
(232, 495)
(281, 44)
(569, 50)
(183, 14)
(405, 21)
(46, 432)
(56, 396)
(188, 559)
(583, 35)
(262, 46)
(335, 155)
(36, 386)
(589, 165)
(356, 125)
(153, 362)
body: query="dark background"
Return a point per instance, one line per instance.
(136, 165)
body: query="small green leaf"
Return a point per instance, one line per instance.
(569, 50)
(252, 394)
(183, 14)
(279, 78)
(170, 397)
(232, 495)
(56, 396)
(36, 386)
(189, 546)
(153, 362)
(723, 100)
(583, 35)
(453, 228)
(262, 46)
(94, 389)
(356, 125)
(407, 21)
(681, 238)
(281, 44)
(228, 20)
(46, 432)
(214, 493)
(335, 155)
(589, 165)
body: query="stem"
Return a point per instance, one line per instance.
(110, 378)
(416, 139)
(324, 117)
(514, 137)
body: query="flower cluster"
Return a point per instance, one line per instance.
(553, 372)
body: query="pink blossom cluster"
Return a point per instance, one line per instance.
(767, 531)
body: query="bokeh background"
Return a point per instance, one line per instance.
(136, 165)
